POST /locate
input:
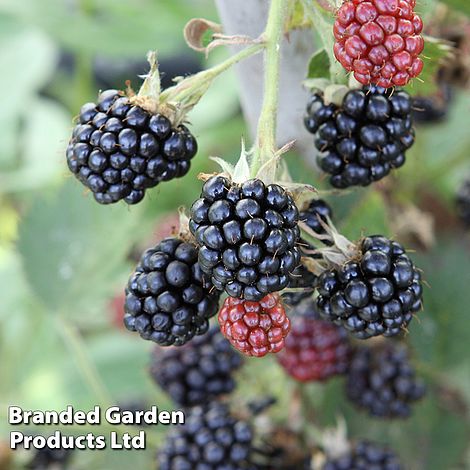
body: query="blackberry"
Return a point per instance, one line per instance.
(315, 349)
(366, 137)
(197, 372)
(318, 211)
(48, 458)
(255, 328)
(247, 235)
(463, 202)
(211, 438)
(376, 294)
(379, 41)
(434, 108)
(119, 150)
(303, 282)
(382, 381)
(168, 299)
(365, 456)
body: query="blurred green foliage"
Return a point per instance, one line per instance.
(63, 258)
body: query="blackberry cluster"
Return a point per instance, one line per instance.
(303, 282)
(197, 372)
(168, 299)
(379, 41)
(48, 458)
(315, 349)
(317, 211)
(365, 456)
(463, 202)
(255, 328)
(247, 236)
(376, 294)
(118, 150)
(382, 381)
(366, 137)
(210, 439)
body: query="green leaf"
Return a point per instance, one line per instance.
(435, 51)
(74, 250)
(319, 65)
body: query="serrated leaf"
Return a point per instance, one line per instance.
(319, 65)
(434, 53)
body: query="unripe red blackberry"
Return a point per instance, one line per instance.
(211, 438)
(364, 138)
(365, 456)
(463, 202)
(168, 298)
(118, 150)
(382, 381)
(379, 41)
(255, 328)
(377, 293)
(247, 236)
(197, 372)
(315, 349)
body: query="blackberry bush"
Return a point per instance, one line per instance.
(463, 202)
(247, 234)
(118, 149)
(379, 41)
(382, 381)
(199, 371)
(364, 138)
(255, 328)
(365, 455)
(315, 349)
(211, 438)
(376, 292)
(168, 298)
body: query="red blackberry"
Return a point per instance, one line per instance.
(375, 294)
(247, 236)
(168, 299)
(118, 150)
(366, 137)
(211, 438)
(198, 371)
(255, 328)
(379, 41)
(315, 349)
(463, 202)
(365, 456)
(382, 381)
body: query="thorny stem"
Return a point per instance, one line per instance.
(266, 136)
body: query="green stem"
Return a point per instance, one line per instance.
(266, 136)
(195, 86)
(74, 342)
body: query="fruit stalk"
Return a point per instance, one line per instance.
(266, 135)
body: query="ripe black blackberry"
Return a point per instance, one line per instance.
(365, 456)
(434, 108)
(119, 150)
(209, 439)
(362, 140)
(382, 381)
(463, 202)
(197, 372)
(168, 298)
(247, 236)
(48, 458)
(315, 213)
(302, 282)
(376, 293)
